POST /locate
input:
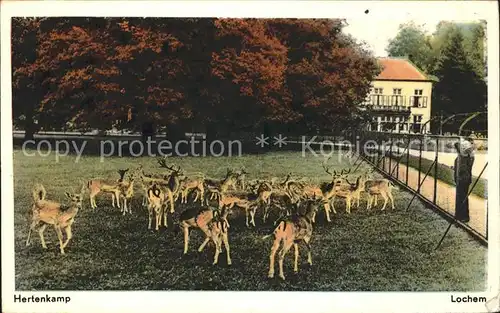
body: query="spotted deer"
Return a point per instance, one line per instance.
(376, 187)
(97, 186)
(156, 199)
(292, 230)
(47, 212)
(214, 227)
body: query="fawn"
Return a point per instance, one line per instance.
(47, 212)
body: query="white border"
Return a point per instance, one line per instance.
(250, 301)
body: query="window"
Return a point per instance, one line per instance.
(418, 92)
(378, 98)
(396, 91)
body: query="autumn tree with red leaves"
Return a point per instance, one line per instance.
(214, 75)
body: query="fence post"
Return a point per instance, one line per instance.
(419, 163)
(408, 158)
(390, 154)
(434, 199)
(399, 159)
(382, 152)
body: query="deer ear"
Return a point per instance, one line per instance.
(67, 194)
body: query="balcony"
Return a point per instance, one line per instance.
(394, 103)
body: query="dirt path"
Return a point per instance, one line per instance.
(448, 159)
(445, 195)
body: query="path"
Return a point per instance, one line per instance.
(445, 195)
(448, 159)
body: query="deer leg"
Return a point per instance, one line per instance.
(158, 218)
(60, 237)
(186, 238)
(165, 221)
(286, 246)
(217, 243)
(385, 200)
(40, 233)
(226, 244)
(274, 248)
(69, 235)
(296, 261)
(252, 215)
(264, 217)
(391, 198)
(327, 210)
(307, 241)
(202, 246)
(150, 216)
(32, 227)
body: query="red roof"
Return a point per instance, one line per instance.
(399, 69)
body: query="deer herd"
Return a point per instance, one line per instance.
(295, 202)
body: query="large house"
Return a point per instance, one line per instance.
(400, 98)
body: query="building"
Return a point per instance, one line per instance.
(400, 98)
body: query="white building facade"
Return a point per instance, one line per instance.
(400, 98)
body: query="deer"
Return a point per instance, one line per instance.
(240, 178)
(245, 200)
(173, 184)
(48, 212)
(97, 186)
(156, 199)
(214, 227)
(126, 194)
(330, 189)
(187, 185)
(284, 196)
(382, 187)
(216, 187)
(292, 230)
(347, 191)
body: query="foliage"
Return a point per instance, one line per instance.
(189, 74)
(412, 42)
(459, 89)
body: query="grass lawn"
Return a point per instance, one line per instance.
(444, 173)
(364, 251)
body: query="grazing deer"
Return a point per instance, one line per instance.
(97, 186)
(214, 229)
(244, 200)
(215, 187)
(187, 185)
(291, 230)
(283, 197)
(218, 228)
(382, 187)
(47, 212)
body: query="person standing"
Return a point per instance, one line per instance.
(463, 178)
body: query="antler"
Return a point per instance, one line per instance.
(327, 169)
(163, 163)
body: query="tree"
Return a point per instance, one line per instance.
(328, 73)
(459, 89)
(412, 42)
(217, 75)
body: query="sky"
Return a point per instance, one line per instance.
(377, 32)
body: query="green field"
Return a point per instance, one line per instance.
(365, 251)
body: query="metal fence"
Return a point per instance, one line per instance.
(424, 165)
